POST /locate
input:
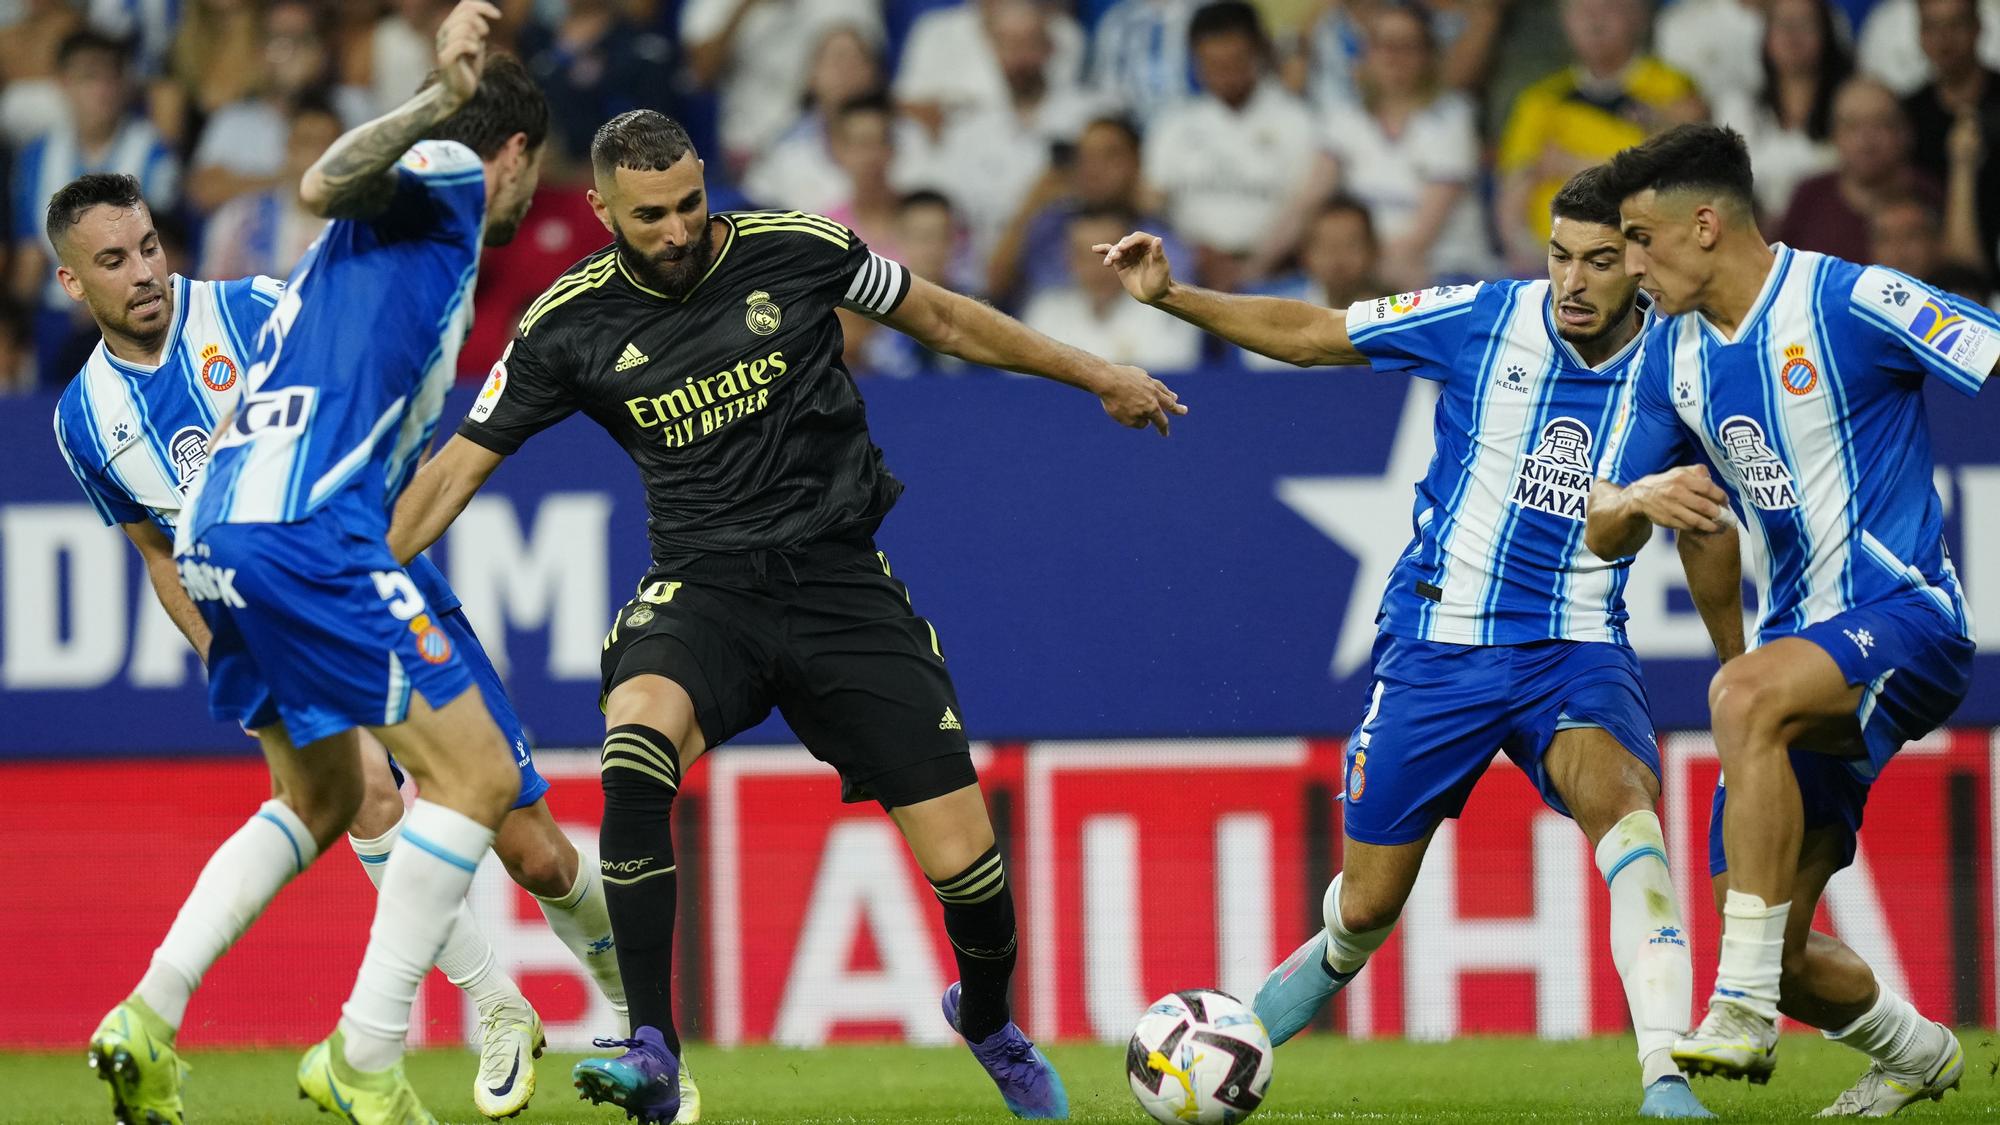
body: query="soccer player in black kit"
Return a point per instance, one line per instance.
(708, 347)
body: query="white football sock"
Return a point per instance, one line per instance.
(1346, 950)
(424, 885)
(1753, 952)
(1648, 943)
(1894, 1034)
(235, 886)
(583, 922)
(467, 959)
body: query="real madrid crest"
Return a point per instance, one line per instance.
(638, 617)
(1798, 374)
(218, 371)
(764, 315)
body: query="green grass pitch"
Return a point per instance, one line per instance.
(1318, 1079)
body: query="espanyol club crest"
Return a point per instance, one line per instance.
(432, 644)
(218, 371)
(1766, 480)
(1798, 376)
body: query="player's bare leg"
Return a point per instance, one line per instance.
(1827, 985)
(951, 838)
(1612, 796)
(1360, 909)
(315, 792)
(651, 737)
(1788, 693)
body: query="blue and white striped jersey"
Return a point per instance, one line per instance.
(351, 370)
(137, 437)
(1498, 555)
(1813, 420)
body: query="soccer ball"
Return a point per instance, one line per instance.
(1199, 1056)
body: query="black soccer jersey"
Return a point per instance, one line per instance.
(747, 429)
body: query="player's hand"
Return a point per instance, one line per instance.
(1141, 262)
(1684, 499)
(461, 47)
(1136, 399)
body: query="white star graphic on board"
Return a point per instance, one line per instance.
(1369, 517)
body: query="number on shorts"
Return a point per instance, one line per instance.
(396, 588)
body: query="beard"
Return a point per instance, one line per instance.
(674, 272)
(1611, 325)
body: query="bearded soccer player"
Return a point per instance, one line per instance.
(1789, 385)
(1499, 631)
(707, 345)
(134, 427)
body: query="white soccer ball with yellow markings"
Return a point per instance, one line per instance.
(1199, 1056)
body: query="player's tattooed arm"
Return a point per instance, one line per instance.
(1294, 332)
(437, 494)
(1621, 519)
(157, 552)
(1714, 565)
(355, 178)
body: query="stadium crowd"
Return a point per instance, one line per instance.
(1326, 149)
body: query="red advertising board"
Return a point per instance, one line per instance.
(1138, 868)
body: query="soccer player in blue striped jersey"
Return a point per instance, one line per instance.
(133, 426)
(281, 543)
(1788, 386)
(1499, 631)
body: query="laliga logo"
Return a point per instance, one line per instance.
(218, 371)
(1798, 375)
(1404, 302)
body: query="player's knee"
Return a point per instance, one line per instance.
(1362, 910)
(1745, 701)
(327, 807)
(541, 866)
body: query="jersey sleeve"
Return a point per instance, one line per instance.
(870, 284)
(1646, 434)
(112, 503)
(440, 192)
(1928, 332)
(1413, 331)
(523, 396)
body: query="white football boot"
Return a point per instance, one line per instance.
(1882, 1092)
(1732, 1042)
(510, 1040)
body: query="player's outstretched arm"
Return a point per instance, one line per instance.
(353, 180)
(1292, 331)
(156, 550)
(1714, 565)
(1622, 518)
(948, 322)
(437, 494)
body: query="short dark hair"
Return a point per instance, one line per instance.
(924, 197)
(1588, 198)
(644, 140)
(87, 42)
(1226, 17)
(313, 101)
(95, 189)
(1126, 127)
(507, 102)
(1119, 217)
(876, 102)
(1709, 158)
(1341, 203)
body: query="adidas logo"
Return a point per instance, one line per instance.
(631, 357)
(950, 721)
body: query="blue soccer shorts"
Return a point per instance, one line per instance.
(444, 603)
(320, 619)
(1913, 666)
(1437, 713)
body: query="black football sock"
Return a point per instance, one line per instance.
(979, 919)
(641, 771)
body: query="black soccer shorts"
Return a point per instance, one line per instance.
(827, 636)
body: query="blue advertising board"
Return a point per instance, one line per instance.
(1086, 581)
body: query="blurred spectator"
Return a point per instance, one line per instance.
(1904, 234)
(594, 64)
(1890, 47)
(1093, 312)
(1409, 151)
(147, 25)
(1612, 97)
(1961, 93)
(17, 352)
(268, 231)
(243, 145)
(952, 64)
(212, 63)
(31, 100)
(755, 54)
(1337, 266)
(101, 135)
(1871, 142)
(1100, 172)
(1139, 54)
(928, 237)
(1465, 32)
(402, 49)
(560, 230)
(864, 149)
(989, 159)
(1965, 282)
(1717, 43)
(1788, 121)
(1227, 160)
(799, 169)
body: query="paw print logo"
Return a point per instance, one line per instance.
(1514, 378)
(1684, 391)
(1896, 293)
(121, 433)
(1516, 373)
